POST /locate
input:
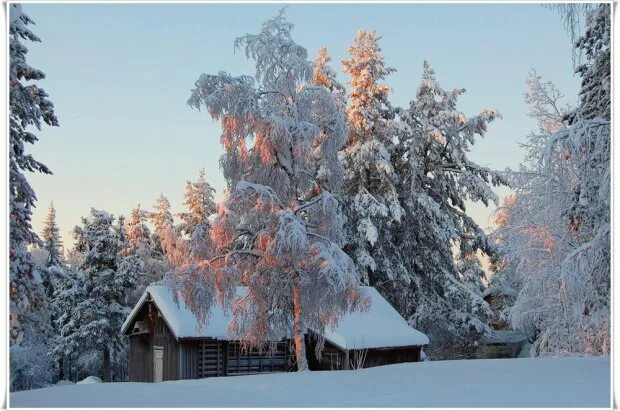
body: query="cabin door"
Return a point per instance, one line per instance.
(158, 364)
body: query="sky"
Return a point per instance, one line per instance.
(120, 75)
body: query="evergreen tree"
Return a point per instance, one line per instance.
(108, 275)
(437, 177)
(147, 263)
(280, 231)
(51, 240)
(471, 273)
(138, 234)
(160, 217)
(370, 197)
(199, 202)
(28, 307)
(323, 75)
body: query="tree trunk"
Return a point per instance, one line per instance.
(61, 367)
(106, 364)
(298, 332)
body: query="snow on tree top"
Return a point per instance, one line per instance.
(379, 326)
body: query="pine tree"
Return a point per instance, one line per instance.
(51, 240)
(323, 75)
(370, 197)
(138, 234)
(279, 232)
(146, 260)
(28, 107)
(199, 202)
(471, 273)
(437, 177)
(108, 274)
(161, 216)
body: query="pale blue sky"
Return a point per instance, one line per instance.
(120, 75)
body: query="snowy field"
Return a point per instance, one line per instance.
(528, 382)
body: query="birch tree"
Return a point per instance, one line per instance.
(279, 232)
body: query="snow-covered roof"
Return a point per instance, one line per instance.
(505, 337)
(379, 326)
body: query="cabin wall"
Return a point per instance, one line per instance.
(334, 358)
(165, 338)
(140, 358)
(377, 357)
(189, 359)
(141, 347)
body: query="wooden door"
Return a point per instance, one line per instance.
(158, 364)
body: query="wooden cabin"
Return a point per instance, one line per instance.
(166, 341)
(502, 342)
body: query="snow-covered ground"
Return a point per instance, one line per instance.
(526, 382)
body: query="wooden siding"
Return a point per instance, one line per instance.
(140, 358)
(335, 358)
(396, 355)
(164, 338)
(332, 357)
(189, 359)
(141, 347)
(252, 361)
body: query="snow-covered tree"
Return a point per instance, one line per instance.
(67, 293)
(370, 197)
(200, 204)
(436, 179)
(324, 75)
(141, 256)
(138, 234)
(51, 239)
(471, 272)
(160, 217)
(28, 107)
(279, 232)
(555, 232)
(29, 321)
(108, 274)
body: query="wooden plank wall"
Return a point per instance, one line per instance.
(189, 359)
(375, 357)
(141, 348)
(165, 338)
(140, 358)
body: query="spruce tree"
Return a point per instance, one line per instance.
(138, 234)
(28, 306)
(437, 178)
(199, 202)
(108, 274)
(143, 257)
(52, 243)
(370, 197)
(160, 217)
